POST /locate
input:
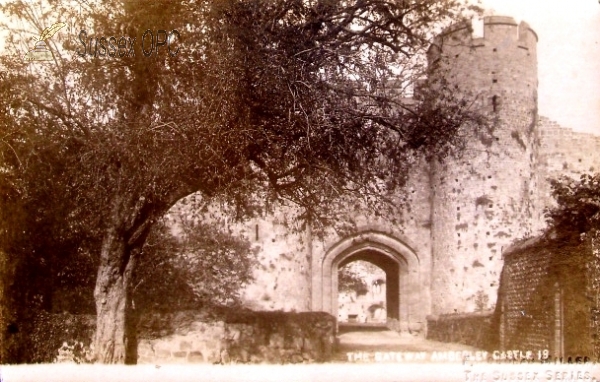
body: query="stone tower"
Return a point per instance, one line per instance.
(481, 200)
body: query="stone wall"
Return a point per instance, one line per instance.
(283, 272)
(239, 337)
(193, 337)
(473, 329)
(544, 301)
(562, 152)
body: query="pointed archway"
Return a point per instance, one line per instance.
(406, 300)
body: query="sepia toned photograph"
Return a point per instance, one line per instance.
(299, 190)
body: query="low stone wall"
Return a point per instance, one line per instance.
(473, 329)
(194, 337)
(247, 337)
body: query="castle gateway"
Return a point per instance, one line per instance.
(444, 254)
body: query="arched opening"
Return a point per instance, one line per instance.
(391, 266)
(362, 293)
(406, 299)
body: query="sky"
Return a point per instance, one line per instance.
(568, 57)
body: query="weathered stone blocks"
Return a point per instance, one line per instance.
(239, 337)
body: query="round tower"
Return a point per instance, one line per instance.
(482, 199)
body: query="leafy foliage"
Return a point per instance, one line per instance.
(350, 281)
(47, 333)
(578, 204)
(289, 99)
(202, 265)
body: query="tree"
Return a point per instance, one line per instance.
(352, 281)
(289, 100)
(203, 265)
(577, 208)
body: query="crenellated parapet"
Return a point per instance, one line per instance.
(498, 32)
(498, 64)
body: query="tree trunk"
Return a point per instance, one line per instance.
(115, 340)
(10, 311)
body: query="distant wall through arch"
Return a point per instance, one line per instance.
(392, 268)
(400, 262)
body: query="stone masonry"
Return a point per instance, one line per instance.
(243, 337)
